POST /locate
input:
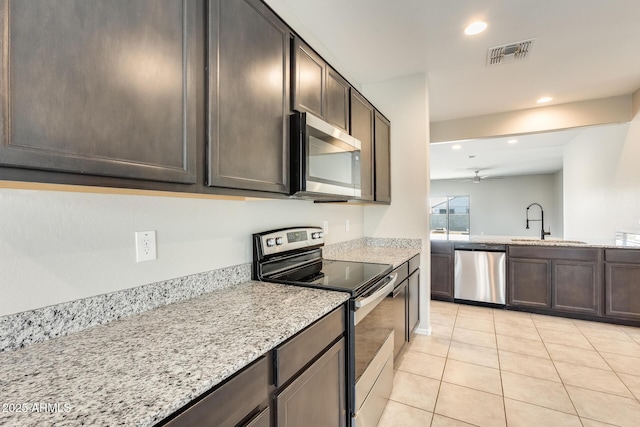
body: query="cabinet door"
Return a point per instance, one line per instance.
(362, 114)
(100, 88)
(529, 283)
(337, 108)
(441, 276)
(309, 80)
(622, 290)
(248, 97)
(577, 287)
(317, 398)
(382, 134)
(413, 306)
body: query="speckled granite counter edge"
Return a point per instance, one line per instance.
(541, 243)
(21, 329)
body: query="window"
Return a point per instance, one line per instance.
(449, 217)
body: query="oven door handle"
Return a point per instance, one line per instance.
(382, 292)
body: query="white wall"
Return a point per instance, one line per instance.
(557, 217)
(498, 208)
(62, 246)
(602, 182)
(617, 109)
(405, 102)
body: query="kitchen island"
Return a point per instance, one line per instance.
(142, 368)
(593, 280)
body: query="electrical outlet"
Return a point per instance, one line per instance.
(146, 246)
(325, 226)
(346, 225)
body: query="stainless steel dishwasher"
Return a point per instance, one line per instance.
(480, 270)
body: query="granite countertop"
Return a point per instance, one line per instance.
(376, 254)
(549, 241)
(142, 368)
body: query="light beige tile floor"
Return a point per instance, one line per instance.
(491, 367)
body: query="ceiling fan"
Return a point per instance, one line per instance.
(477, 178)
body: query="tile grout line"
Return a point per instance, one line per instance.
(564, 386)
(579, 332)
(612, 369)
(504, 397)
(446, 358)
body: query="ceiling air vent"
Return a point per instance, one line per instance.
(509, 52)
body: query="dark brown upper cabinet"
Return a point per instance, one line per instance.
(337, 102)
(317, 88)
(99, 88)
(382, 143)
(362, 113)
(309, 80)
(249, 51)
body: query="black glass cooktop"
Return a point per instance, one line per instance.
(345, 276)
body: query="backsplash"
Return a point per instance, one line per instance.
(29, 327)
(382, 242)
(21, 329)
(379, 242)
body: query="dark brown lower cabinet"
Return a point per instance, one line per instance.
(413, 303)
(529, 283)
(442, 270)
(317, 397)
(263, 419)
(577, 287)
(622, 284)
(300, 383)
(556, 279)
(231, 403)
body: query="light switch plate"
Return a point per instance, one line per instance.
(325, 227)
(146, 246)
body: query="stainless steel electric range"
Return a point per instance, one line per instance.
(294, 256)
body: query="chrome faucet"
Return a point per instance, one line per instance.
(542, 232)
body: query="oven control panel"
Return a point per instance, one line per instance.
(288, 239)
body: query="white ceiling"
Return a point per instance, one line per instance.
(584, 49)
(532, 154)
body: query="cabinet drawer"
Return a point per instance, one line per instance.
(440, 247)
(414, 263)
(627, 256)
(263, 419)
(403, 272)
(239, 397)
(537, 252)
(296, 353)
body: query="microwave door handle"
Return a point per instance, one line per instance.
(328, 129)
(384, 291)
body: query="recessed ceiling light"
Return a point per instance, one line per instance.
(475, 28)
(512, 141)
(456, 147)
(544, 99)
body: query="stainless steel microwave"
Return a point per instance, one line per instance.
(325, 161)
